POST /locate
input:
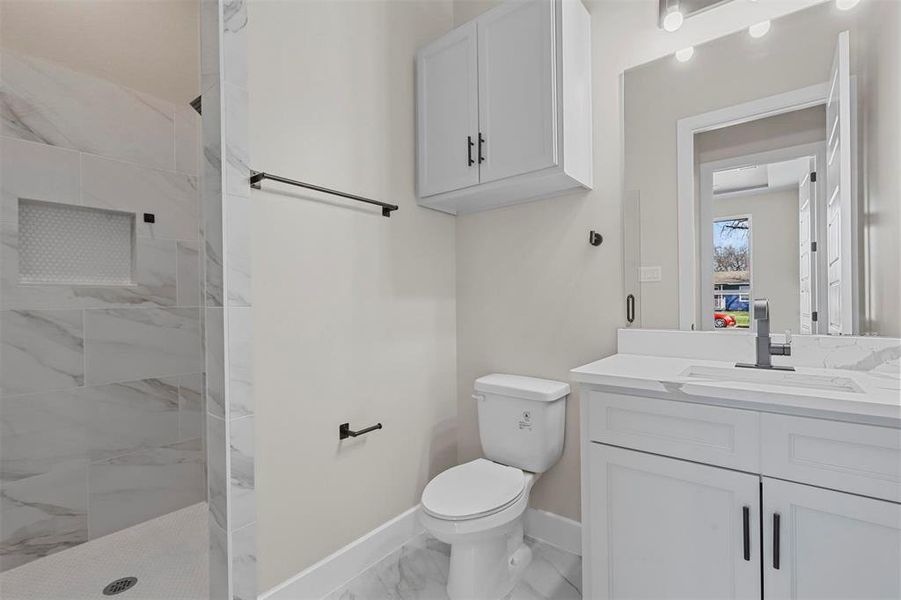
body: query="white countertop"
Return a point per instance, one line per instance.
(877, 401)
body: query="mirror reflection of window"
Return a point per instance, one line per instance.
(731, 272)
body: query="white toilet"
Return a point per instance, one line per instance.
(478, 507)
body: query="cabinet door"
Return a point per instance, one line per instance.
(665, 528)
(828, 544)
(447, 113)
(517, 89)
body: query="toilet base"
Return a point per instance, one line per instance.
(488, 568)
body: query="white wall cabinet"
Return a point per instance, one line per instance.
(668, 527)
(504, 108)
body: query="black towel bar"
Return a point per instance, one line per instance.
(257, 176)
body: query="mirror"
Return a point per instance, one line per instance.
(768, 167)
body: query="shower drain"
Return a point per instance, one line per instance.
(119, 586)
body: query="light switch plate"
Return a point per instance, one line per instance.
(648, 274)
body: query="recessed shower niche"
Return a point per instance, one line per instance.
(75, 245)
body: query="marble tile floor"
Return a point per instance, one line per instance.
(418, 571)
(168, 555)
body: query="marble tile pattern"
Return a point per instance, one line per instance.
(41, 350)
(418, 571)
(130, 489)
(123, 344)
(225, 201)
(102, 393)
(242, 492)
(53, 105)
(857, 353)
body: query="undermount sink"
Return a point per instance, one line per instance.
(780, 378)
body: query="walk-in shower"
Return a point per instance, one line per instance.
(103, 469)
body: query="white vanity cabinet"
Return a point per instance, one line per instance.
(504, 107)
(689, 500)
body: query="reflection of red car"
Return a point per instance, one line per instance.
(723, 320)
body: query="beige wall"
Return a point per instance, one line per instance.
(149, 46)
(880, 192)
(533, 297)
(354, 314)
(774, 250)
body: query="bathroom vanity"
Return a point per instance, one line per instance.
(703, 480)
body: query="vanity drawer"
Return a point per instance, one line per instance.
(862, 459)
(725, 437)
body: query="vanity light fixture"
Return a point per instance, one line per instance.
(846, 4)
(758, 30)
(685, 54)
(673, 18)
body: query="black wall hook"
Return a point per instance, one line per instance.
(595, 238)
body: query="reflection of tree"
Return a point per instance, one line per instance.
(735, 227)
(730, 258)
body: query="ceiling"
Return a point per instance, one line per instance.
(760, 178)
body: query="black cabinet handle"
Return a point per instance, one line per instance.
(746, 526)
(469, 145)
(630, 308)
(776, 535)
(481, 142)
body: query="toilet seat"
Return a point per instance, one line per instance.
(475, 489)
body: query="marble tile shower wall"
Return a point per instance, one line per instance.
(101, 388)
(228, 302)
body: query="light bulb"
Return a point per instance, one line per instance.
(673, 19)
(685, 54)
(758, 30)
(846, 4)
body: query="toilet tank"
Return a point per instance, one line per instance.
(521, 420)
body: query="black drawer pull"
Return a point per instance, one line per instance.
(746, 526)
(482, 142)
(469, 145)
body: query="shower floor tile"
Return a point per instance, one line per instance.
(168, 555)
(418, 571)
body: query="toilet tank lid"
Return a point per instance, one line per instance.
(519, 386)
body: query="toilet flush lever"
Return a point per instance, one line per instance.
(478, 397)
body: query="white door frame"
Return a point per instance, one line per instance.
(817, 150)
(686, 129)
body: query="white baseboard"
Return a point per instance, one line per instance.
(332, 572)
(558, 531)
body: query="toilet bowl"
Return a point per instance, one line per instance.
(478, 508)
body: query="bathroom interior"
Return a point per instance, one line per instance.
(450, 299)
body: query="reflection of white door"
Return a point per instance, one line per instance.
(840, 210)
(807, 268)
